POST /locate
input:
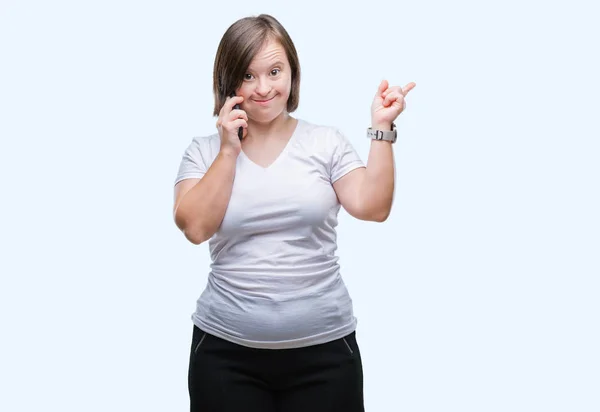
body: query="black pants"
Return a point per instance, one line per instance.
(226, 377)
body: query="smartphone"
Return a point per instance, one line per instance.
(241, 129)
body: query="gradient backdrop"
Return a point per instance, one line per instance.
(479, 294)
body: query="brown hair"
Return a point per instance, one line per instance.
(238, 46)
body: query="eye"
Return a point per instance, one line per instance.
(247, 76)
(275, 72)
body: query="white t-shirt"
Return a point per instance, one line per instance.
(275, 279)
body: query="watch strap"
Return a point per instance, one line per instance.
(387, 135)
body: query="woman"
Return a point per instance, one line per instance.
(274, 328)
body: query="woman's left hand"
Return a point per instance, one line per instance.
(388, 104)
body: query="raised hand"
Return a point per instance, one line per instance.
(388, 103)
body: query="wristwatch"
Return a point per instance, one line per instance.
(388, 135)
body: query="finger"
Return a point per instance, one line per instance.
(382, 87)
(233, 101)
(236, 124)
(408, 88)
(392, 89)
(224, 104)
(238, 114)
(229, 103)
(393, 97)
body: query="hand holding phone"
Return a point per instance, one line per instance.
(231, 124)
(240, 130)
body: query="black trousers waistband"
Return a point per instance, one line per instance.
(227, 377)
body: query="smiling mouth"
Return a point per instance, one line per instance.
(264, 101)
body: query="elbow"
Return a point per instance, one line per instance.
(382, 216)
(381, 213)
(371, 213)
(192, 232)
(376, 208)
(194, 237)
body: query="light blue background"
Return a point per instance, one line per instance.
(480, 293)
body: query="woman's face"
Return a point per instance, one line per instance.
(267, 84)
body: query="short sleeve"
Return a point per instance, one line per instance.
(192, 163)
(344, 157)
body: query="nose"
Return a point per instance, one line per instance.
(263, 88)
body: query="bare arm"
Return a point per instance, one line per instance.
(367, 194)
(200, 204)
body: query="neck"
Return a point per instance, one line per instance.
(270, 129)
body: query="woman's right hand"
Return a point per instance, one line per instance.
(228, 123)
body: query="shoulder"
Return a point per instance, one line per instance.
(203, 148)
(203, 143)
(322, 136)
(316, 130)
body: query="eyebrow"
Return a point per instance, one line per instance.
(276, 63)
